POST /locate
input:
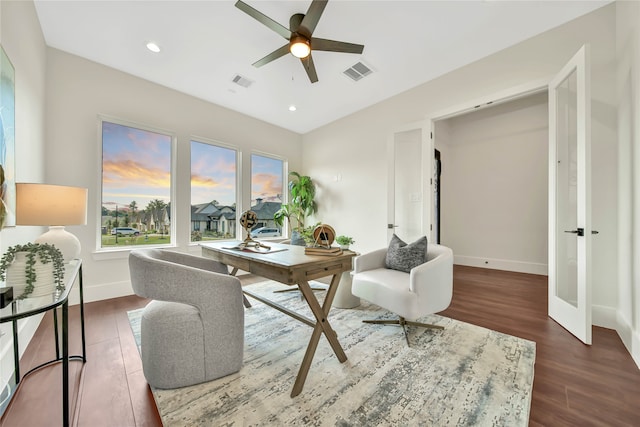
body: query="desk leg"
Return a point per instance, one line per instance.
(322, 326)
(245, 301)
(65, 364)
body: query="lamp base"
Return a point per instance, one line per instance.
(66, 242)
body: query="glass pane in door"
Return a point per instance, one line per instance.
(567, 190)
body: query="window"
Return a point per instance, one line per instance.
(213, 191)
(267, 186)
(136, 185)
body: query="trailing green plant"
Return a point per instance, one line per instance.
(44, 252)
(345, 240)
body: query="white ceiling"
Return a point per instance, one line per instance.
(206, 43)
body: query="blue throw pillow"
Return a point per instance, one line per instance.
(403, 257)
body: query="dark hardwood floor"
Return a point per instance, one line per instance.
(575, 384)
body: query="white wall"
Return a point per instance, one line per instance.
(356, 145)
(79, 90)
(495, 208)
(628, 90)
(22, 40)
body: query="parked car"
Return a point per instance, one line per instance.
(265, 232)
(125, 231)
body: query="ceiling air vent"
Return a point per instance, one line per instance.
(357, 71)
(242, 81)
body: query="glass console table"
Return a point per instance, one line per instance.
(20, 309)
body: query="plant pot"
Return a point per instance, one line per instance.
(16, 276)
(296, 239)
(344, 247)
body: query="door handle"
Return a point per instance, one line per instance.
(579, 231)
(390, 226)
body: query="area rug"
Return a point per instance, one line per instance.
(463, 375)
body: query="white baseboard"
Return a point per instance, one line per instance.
(102, 291)
(603, 316)
(105, 291)
(629, 337)
(502, 264)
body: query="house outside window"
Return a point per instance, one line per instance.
(267, 188)
(213, 191)
(136, 185)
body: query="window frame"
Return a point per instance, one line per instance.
(238, 198)
(119, 251)
(285, 187)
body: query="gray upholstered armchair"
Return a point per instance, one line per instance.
(193, 330)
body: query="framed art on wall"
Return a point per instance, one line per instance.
(7, 141)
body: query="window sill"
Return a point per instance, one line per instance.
(122, 253)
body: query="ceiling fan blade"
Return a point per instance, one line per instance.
(278, 53)
(264, 19)
(307, 63)
(335, 46)
(311, 18)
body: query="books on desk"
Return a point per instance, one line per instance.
(319, 250)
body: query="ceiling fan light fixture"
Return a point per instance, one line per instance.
(299, 47)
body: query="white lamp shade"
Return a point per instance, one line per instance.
(56, 206)
(42, 204)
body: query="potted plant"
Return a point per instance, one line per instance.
(21, 264)
(344, 241)
(301, 205)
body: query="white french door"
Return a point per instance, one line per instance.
(409, 200)
(570, 197)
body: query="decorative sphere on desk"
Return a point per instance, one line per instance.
(248, 220)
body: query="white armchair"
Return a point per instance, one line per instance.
(426, 289)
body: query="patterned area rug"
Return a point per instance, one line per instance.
(464, 375)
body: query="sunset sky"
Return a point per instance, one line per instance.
(137, 166)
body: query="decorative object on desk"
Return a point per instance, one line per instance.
(344, 242)
(7, 141)
(55, 206)
(248, 220)
(323, 236)
(320, 250)
(467, 376)
(302, 204)
(33, 269)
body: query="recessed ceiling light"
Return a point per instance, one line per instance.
(292, 108)
(153, 47)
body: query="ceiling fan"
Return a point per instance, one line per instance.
(299, 34)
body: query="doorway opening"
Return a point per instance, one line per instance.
(490, 190)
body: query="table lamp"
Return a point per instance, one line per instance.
(55, 206)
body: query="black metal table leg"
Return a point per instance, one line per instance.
(16, 351)
(84, 347)
(55, 332)
(65, 364)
